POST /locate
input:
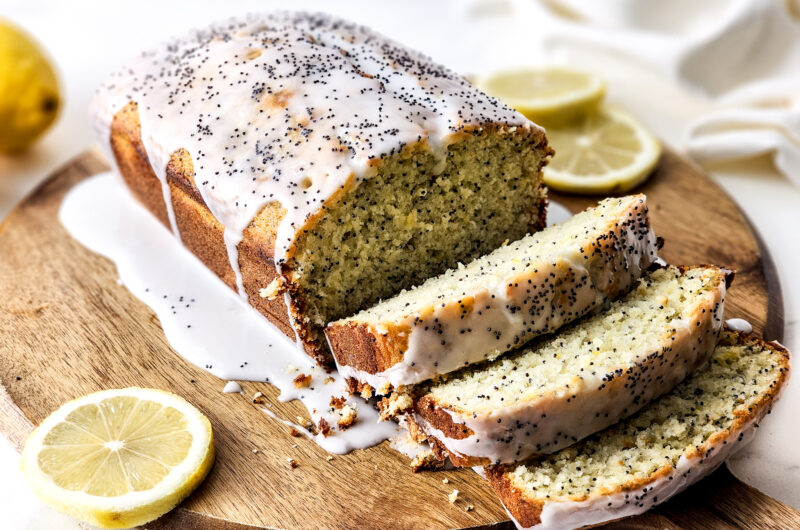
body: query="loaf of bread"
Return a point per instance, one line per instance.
(549, 395)
(317, 167)
(499, 301)
(653, 455)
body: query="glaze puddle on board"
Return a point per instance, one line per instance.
(203, 320)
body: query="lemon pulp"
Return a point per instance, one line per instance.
(608, 151)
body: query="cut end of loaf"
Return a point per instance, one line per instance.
(417, 216)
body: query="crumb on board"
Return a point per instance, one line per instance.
(324, 427)
(338, 402)
(470, 508)
(445, 480)
(302, 381)
(347, 417)
(255, 451)
(258, 397)
(294, 432)
(426, 460)
(453, 496)
(329, 458)
(292, 463)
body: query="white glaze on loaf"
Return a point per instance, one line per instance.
(288, 107)
(502, 300)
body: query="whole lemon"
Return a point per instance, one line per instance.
(29, 94)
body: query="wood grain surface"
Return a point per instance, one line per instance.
(67, 328)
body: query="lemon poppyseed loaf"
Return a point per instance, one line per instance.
(316, 166)
(498, 301)
(649, 457)
(590, 375)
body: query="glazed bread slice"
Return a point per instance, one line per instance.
(649, 457)
(590, 375)
(498, 301)
(316, 166)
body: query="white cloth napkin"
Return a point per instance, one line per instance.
(739, 58)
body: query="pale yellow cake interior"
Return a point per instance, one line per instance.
(417, 217)
(707, 403)
(493, 269)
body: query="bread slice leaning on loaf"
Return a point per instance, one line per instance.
(499, 301)
(590, 375)
(316, 166)
(651, 456)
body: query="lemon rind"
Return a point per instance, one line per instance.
(570, 104)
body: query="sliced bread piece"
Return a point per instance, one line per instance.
(499, 301)
(563, 388)
(646, 459)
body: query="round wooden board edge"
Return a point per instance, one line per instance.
(93, 161)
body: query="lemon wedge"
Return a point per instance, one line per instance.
(549, 96)
(608, 151)
(119, 458)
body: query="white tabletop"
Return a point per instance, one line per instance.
(89, 39)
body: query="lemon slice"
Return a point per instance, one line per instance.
(609, 151)
(119, 458)
(549, 96)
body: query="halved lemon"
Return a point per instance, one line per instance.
(119, 458)
(549, 96)
(608, 151)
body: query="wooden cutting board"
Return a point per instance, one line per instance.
(67, 328)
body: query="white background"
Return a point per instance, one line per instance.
(89, 39)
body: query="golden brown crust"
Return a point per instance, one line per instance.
(527, 510)
(362, 347)
(200, 231)
(439, 418)
(440, 450)
(133, 164)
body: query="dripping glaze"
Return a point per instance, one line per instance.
(254, 101)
